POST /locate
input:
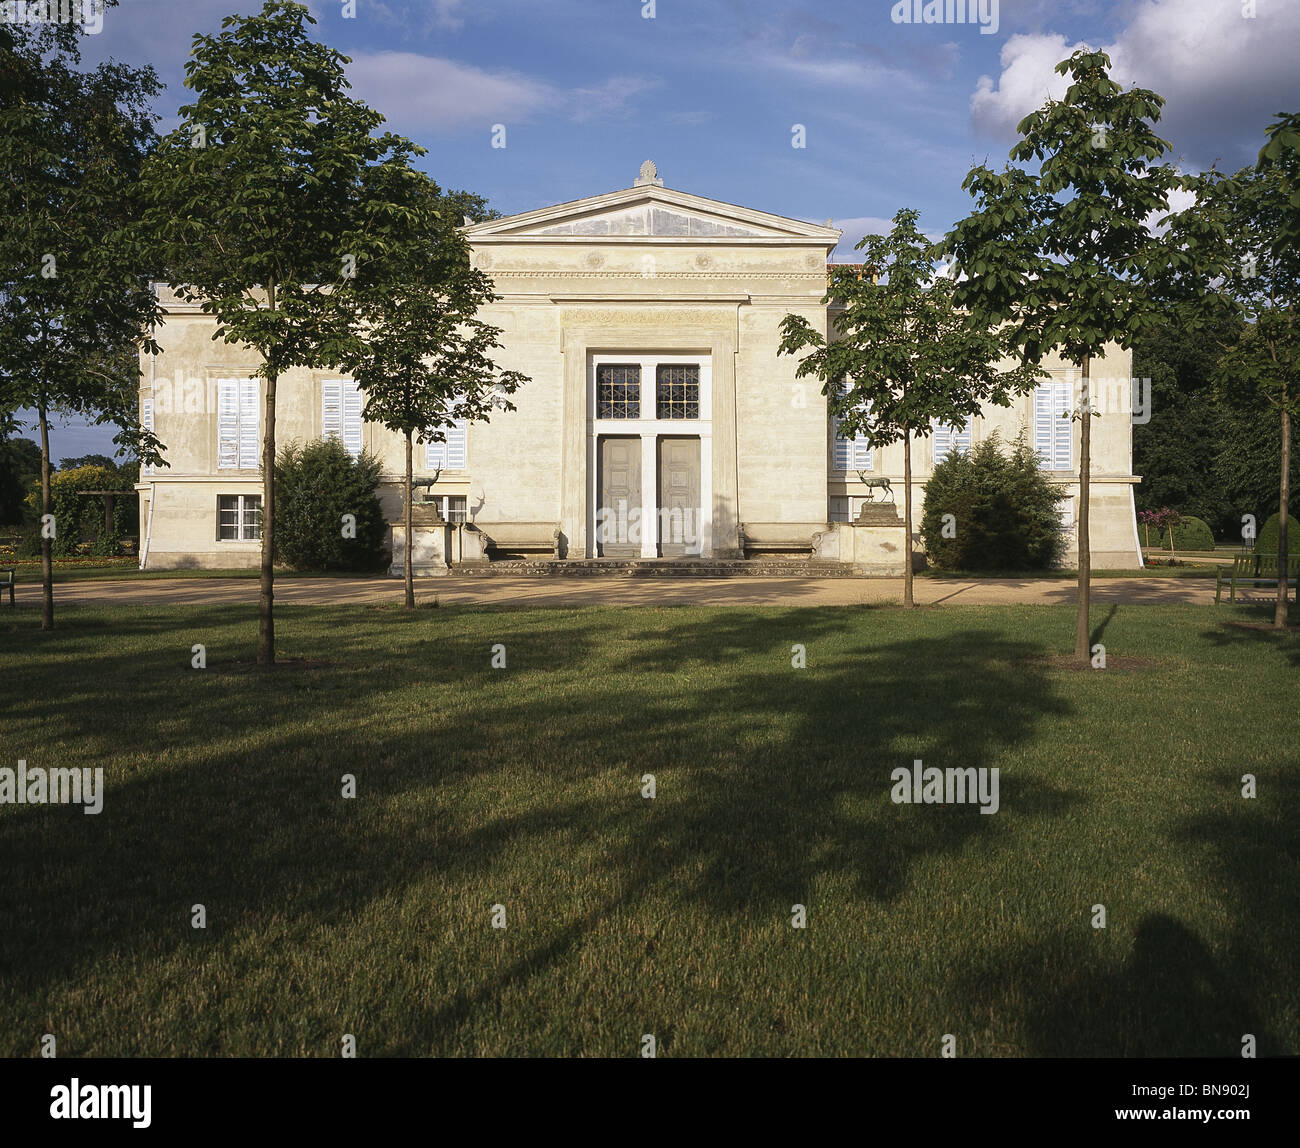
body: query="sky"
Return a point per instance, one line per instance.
(891, 113)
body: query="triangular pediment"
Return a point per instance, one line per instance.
(648, 213)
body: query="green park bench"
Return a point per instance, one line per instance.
(1254, 570)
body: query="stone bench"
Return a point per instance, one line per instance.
(780, 537)
(512, 539)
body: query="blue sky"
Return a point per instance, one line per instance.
(894, 114)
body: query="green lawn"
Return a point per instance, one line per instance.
(28, 570)
(1187, 569)
(522, 787)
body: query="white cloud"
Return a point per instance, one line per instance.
(432, 93)
(610, 98)
(415, 92)
(1222, 74)
(1179, 201)
(854, 229)
(445, 13)
(1027, 80)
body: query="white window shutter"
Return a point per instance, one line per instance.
(331, 408)
(1044, 431)
(941, 436)
(351, 394)
(248, 394)
(453, 453)
(457, 446)
(1063, 428)
(448, 455)
(843, 449)
(227, 424)
(949, 438)
(1053, 429)
(961, 439)
(851, 453)
(146, 421)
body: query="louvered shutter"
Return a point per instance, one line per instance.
(851, 453)
(453, 453)
(457, 446)
(843, 450)
(146, 421)
(1063, 428)
(331, 408)
(248, 424)
(941, 437)
(1044, 401)
(227, 424)
(948, 439)
(1053, 433)
(352, 418)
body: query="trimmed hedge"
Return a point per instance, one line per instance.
(1266, 543)
(1003, 511)
(1191, 534)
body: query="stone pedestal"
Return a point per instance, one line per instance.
(880, 543)
(473, 546)
(429, 546)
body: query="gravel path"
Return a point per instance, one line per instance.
(632, 591)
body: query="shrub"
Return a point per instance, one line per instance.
(1003, 507)
(1193, 533)
(1266, 543)
(316, 485)
(79, 518)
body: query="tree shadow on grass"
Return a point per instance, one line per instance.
(1060, 997)
(1172, 995)
(1258, 633)
(770, 776)
(785, 777)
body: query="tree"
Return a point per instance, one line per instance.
(20, 468)
(1260, 369)
(1177, 451)
(73, 301)
(1247, 462)
(1281, 155)
(418, 353)
(902, 354)
(88, 460)
(256, 208)
(1064, 257)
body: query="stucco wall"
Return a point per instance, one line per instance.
(563, 300)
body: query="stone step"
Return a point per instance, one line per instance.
(658, 568)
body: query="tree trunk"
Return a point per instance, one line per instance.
(1082, 628)
(907, 519)
(266, 584)
(1284, 492)
(407, 573)
(47, 543)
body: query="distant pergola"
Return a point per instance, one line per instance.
(108, 496)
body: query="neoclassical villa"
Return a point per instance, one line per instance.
(659, 422)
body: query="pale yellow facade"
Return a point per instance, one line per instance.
(647, 280)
